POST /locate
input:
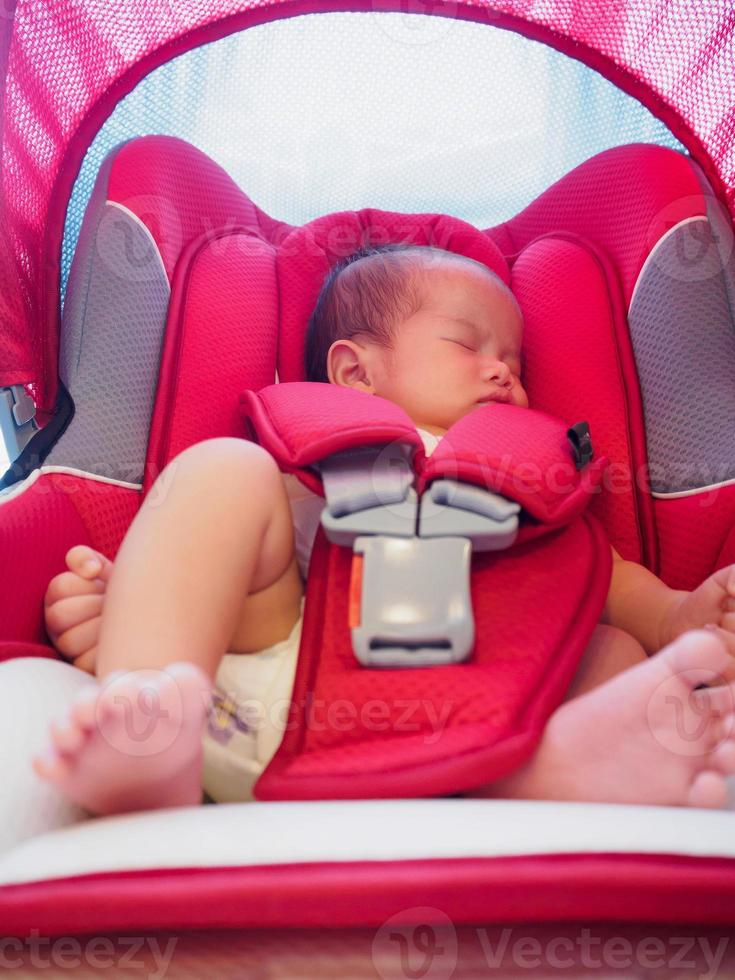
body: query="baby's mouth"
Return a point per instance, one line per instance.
(501, 395)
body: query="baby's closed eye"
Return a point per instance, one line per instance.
(462, 343)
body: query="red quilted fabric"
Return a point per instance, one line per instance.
(696, 535)
(106, 510)
(182, 195)
(37, 529)
(620, 201)
(574, 329)
(302, 422)
(222, 337)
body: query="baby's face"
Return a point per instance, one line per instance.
(461, 350)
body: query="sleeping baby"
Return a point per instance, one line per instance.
(211, 571)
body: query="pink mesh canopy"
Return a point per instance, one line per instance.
(66, 65)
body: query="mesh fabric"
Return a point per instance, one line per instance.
(681, 325)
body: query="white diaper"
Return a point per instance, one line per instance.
(247, 718)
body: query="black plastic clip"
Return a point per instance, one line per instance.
(579, 437)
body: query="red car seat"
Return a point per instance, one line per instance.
(184, 294)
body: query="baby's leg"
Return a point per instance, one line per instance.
(215, 527)
(645, 736)
(610, 651)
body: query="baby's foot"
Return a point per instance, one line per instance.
(133, 742)
(646, 736)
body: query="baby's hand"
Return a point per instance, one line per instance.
(73, 605)
(712, 604)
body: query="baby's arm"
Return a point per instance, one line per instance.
(639, 603)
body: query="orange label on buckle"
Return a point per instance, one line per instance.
(353, 611)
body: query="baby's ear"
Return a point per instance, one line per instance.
(347, 366)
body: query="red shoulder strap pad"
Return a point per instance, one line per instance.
(518, 452)
(301, 422)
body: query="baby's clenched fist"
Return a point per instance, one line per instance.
(73, 605)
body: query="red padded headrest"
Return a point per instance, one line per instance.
(307, 253)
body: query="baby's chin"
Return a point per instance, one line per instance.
(440, 428)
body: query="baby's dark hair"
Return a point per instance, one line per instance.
(369, 292)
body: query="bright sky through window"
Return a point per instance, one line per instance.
(403, 112)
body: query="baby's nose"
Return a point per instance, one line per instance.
(499, 372)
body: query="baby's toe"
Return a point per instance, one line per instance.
(723, 757)
(719, 700)
(708, 790)
(67, 737)
(84, 711)
(697, 657)
(719, 729)
(51, 766)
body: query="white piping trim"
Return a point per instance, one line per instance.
(261, 834)
(146, 230)
(691, 493)
(659, 243)
(17, 490)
